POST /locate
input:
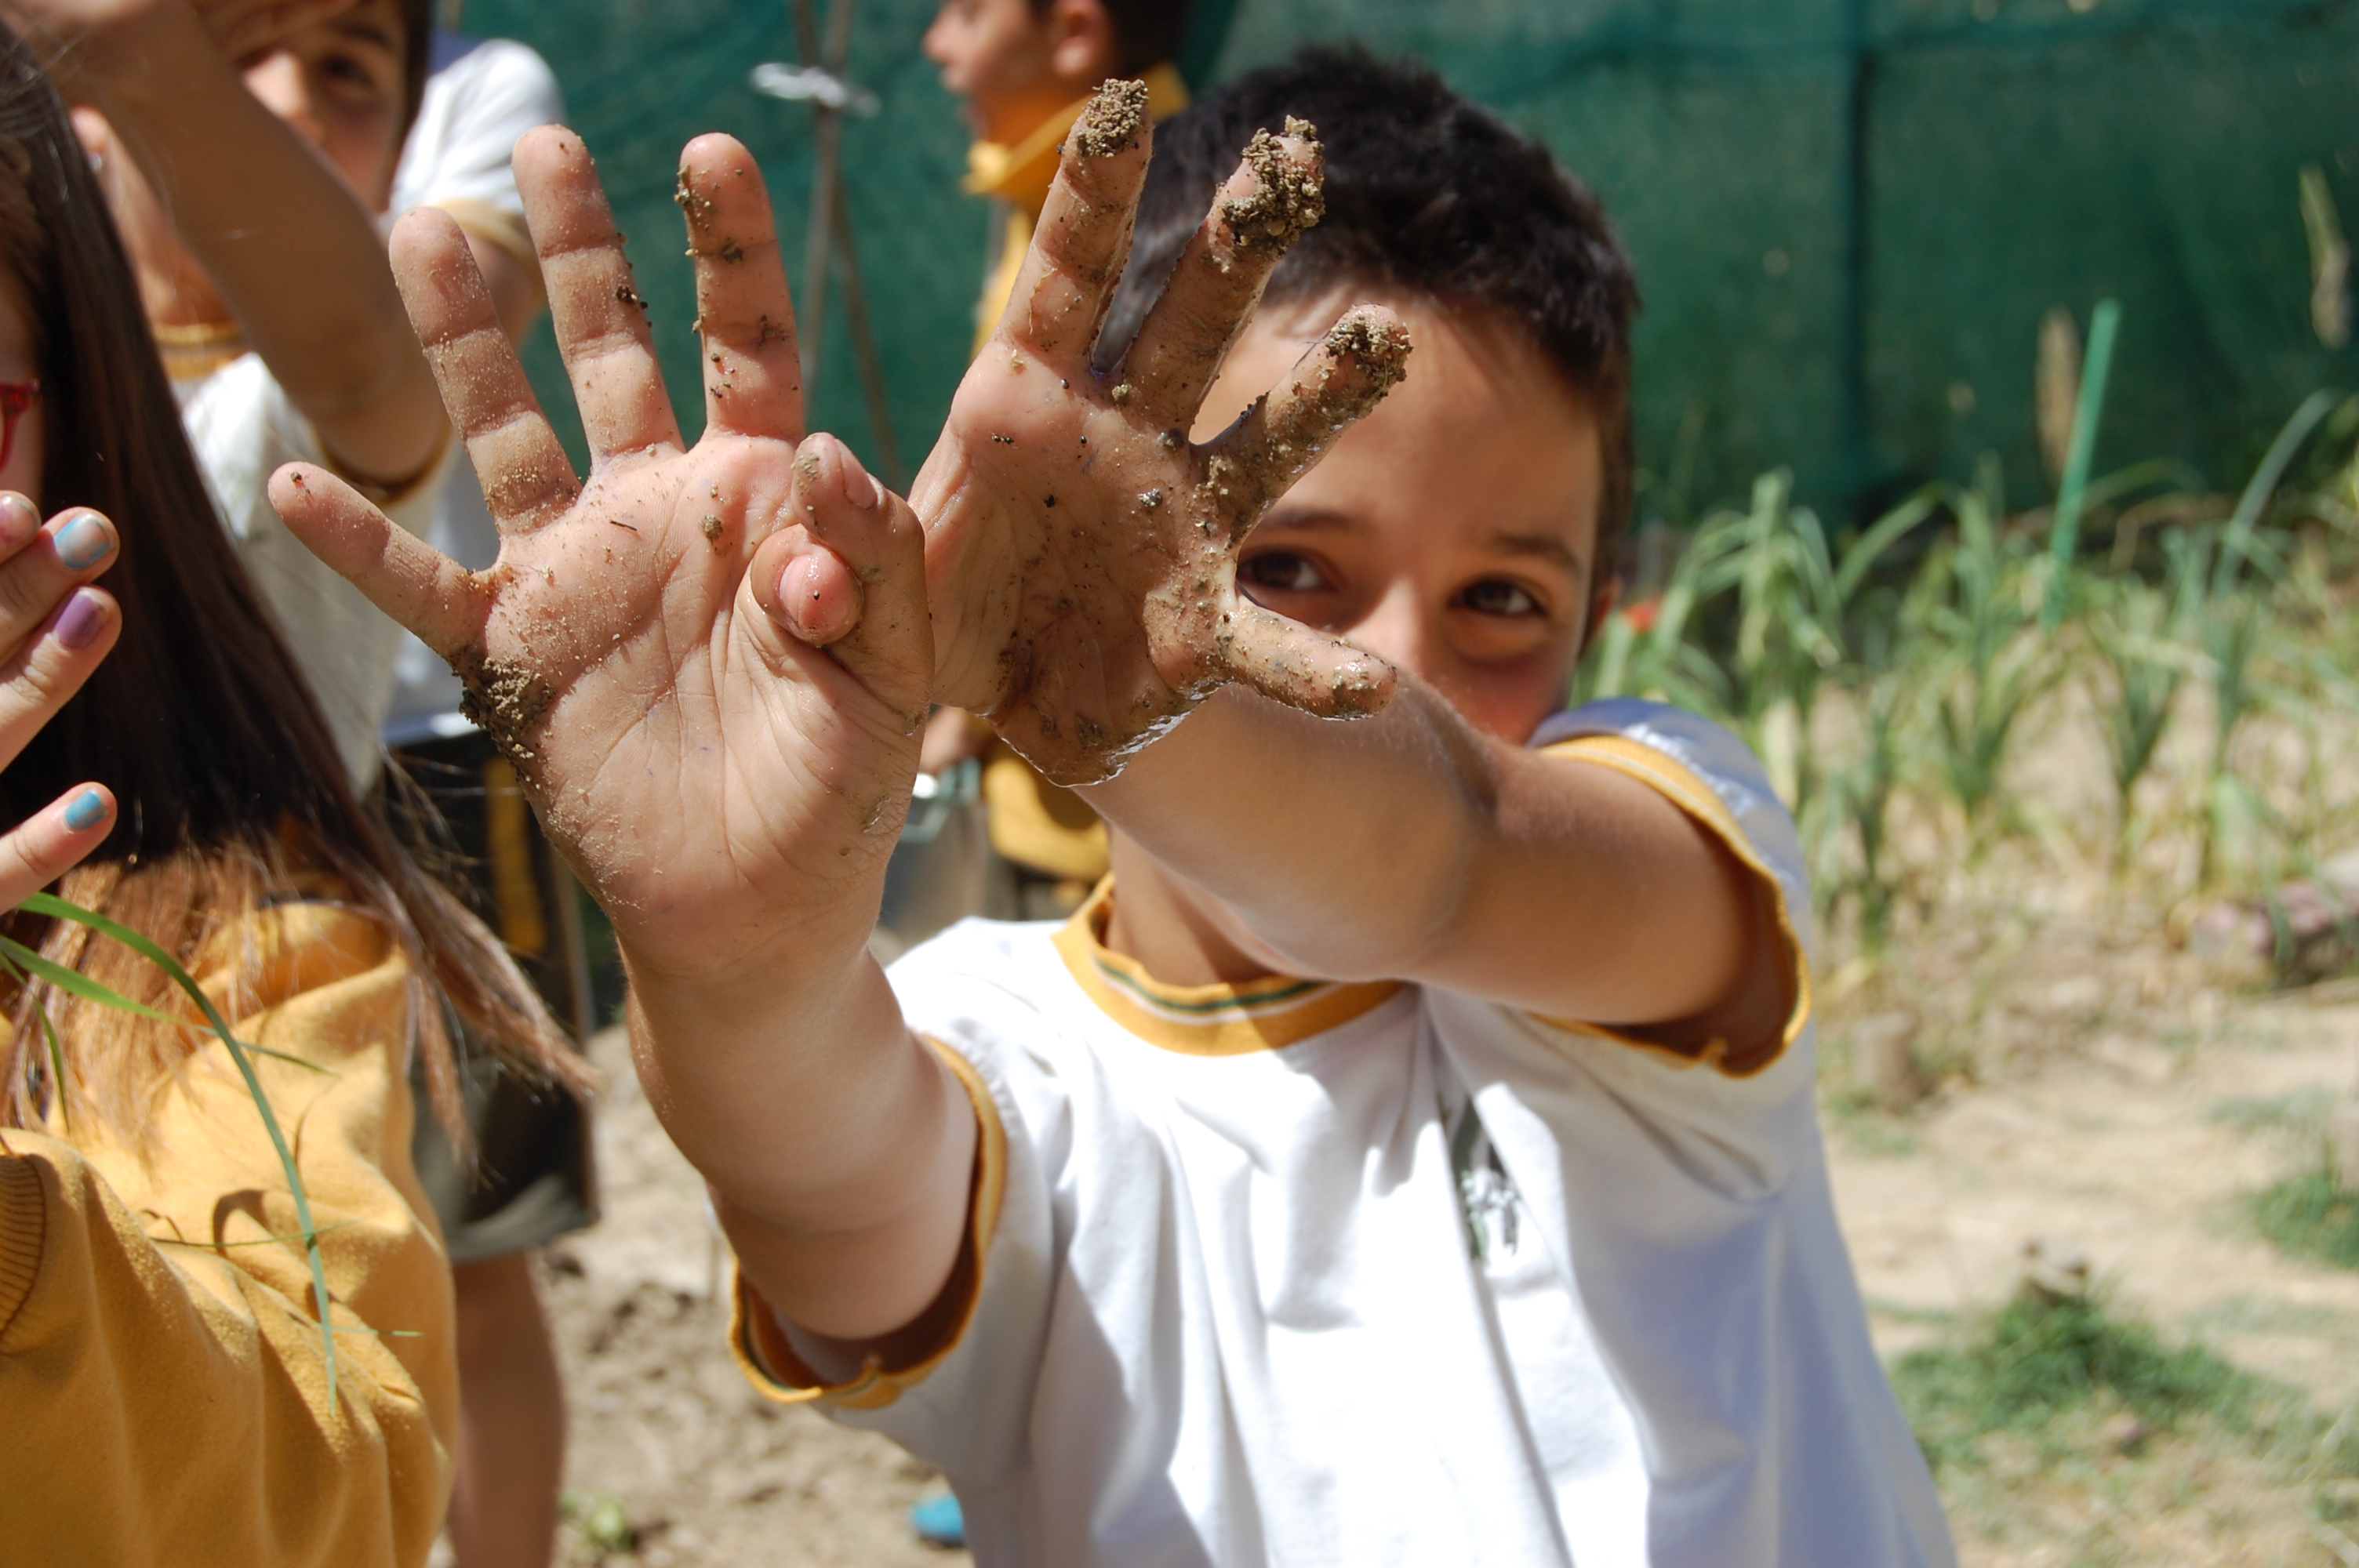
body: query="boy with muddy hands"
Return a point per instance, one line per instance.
(1264, 1214)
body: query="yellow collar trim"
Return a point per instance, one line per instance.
(1206, 1021)
(1022, 174)
(191, 354)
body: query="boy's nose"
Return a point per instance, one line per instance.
(937, 45)
(282, 84)
(1395, 629)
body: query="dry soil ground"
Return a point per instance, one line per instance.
(2121, 1105)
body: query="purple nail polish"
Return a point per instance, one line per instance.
(84, 619)
(87, 812)
(84, 541)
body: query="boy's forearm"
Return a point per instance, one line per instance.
(1347, 846)
(1408, 846)
(837, 1146)
(290, 249)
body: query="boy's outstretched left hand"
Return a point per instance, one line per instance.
(1081, 551)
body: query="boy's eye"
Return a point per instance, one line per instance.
(346, 71)
(1497, 596)
(1282, 571)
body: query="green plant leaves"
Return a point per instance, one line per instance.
(1945, 626)
(76, 984)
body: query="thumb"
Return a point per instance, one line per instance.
(847, 573)
(1287, 662)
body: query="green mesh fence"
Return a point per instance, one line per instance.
(1849, 216)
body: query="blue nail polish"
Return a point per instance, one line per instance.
(84, 542)
(87, 811)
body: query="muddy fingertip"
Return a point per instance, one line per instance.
(1287, 196)
(1112, 124)
(1376, 340)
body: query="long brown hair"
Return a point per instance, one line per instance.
(230, 790)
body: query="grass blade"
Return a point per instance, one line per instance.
(58, 909)
(2073, 493)
(1881, 537)
(2238, 543)
(57, 1068)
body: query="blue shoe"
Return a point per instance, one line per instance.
(940, 1522)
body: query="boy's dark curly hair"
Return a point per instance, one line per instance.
(1427, 194)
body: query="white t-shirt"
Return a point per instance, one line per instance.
(243, 428)
(481, 97)
(1300, 1272)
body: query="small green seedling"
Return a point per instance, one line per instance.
(74, 983)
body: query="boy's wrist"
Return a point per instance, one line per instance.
(785, 968)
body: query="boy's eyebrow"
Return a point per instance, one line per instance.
(1282, 516)
(1547, 546)
(362, 27)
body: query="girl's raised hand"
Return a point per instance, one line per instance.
(1081, 551)
(54, 630)
(710, 663)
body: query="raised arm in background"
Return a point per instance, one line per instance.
(285, 241)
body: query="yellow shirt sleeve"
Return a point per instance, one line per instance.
(160, 1367)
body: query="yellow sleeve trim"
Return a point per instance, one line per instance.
(1682, 788)
(497, 226)
(903, 1358)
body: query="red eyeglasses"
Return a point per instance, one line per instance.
(15, 396)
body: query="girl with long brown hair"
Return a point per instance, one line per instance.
(159, 1360)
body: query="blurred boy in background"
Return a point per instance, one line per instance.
(262, 273)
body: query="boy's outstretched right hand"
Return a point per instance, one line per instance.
(710, 663)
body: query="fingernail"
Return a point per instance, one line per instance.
(84, 541)
(20, 517)
(859, 488)
(84, 619)
(87, 810)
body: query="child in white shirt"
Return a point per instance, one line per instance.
(265, 280)
(1351, 1269)
(1409, 1155)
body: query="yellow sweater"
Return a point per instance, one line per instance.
(161, 1368)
